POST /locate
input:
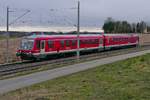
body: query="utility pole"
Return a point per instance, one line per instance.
(135, 28)
(7, 30)
(78, 31)
(7, 39)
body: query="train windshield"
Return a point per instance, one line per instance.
(26, 44)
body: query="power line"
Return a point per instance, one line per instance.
(20, 17)
(66, 18)
(7, 29)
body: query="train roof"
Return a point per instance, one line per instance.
(127, 34)
(74, 36)
(111, 34)
(62, 36)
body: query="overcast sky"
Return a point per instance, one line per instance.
(93, 12)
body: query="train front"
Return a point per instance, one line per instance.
(25, 51)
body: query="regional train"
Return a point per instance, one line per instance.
(40, 46)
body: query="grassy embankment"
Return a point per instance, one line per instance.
(123, 80)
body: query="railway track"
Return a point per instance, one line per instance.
(11, 70)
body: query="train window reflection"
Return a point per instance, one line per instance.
(26, 44)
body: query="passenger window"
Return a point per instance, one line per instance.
(89, 41)
(114, 39)
(73, 42)
(96, 41)
(83, 41)
(67, 43)
(92, 41)
(50, 44)
(62, 43)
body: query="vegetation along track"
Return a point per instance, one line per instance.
(11, 70)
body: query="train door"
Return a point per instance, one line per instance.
(57, 46)
(101, 41)
(101, 44)
(42, 47)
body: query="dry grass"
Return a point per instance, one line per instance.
(13, 45)
(144, 39)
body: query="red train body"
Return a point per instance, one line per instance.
(40, 46)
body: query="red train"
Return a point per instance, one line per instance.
(41, 46)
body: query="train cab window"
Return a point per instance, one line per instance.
(26, 44)
(73, 42)
(62, 43)
(50, 44)
(67, 43)
(38, 44)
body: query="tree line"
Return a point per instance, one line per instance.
(112, 26)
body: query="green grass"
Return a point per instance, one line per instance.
(123, 80)
(4, 37)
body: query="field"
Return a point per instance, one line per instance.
(13, 45)
(123, 80)
(144, 39)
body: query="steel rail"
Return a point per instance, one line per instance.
(10, 70)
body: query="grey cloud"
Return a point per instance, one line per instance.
(92, 11)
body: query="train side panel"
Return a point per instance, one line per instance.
(44, 46)
(120, 40)
(54, 44)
